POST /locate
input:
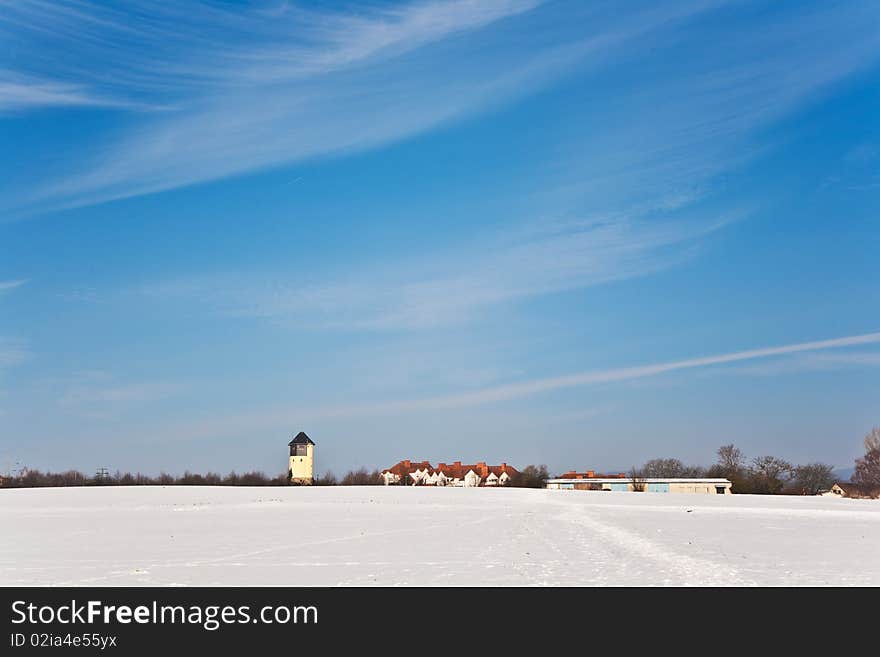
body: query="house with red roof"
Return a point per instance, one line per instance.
(422, 473)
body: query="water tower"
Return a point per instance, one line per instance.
(302, 460)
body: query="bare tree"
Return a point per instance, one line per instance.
(867, 470)
(671, 468)
(361, 477)
(663, 468)
(638, 480)
(731, 465)
(730, 459)
(872, 440)
(531, 476)
(255, 478)
(813, 478)
(769, 474)
(696, 471)
(328, 479)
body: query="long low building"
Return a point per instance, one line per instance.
(422, 473)
(649, 485)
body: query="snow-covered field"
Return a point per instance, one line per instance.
(430, 536)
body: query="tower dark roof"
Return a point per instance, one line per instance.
(301, 439)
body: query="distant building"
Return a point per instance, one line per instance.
(422, 473)
(590, 474)
(852, 490)
(620, 482)
(302, 460)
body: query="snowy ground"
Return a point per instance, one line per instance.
(430, 536)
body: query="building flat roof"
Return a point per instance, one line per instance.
(648, 480)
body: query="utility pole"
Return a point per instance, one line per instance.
(102, 475)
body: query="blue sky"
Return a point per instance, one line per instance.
(572, 233)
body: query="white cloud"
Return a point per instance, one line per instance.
(537, 386)
(245, 88)
(159, 49)
(243, 91)
(101, 395)
(813, 362)
(21, 93)
(453, 287)
(346, 40)
(354, 82)
(8, 286)
(122, 393)
(12, 352)
(266, 418)
(96, 388)
(673, 130)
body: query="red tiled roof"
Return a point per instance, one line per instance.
(590, 474)
(498, 470)
(403, 468)
(455, 470)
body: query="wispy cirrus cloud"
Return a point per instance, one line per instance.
(346, 40)
(249, 89)
(243, 89)
(813, 362)
(279, 416)
(103, 395)
(8, 286)
(19, 93)
(686, 122)
(448, 288)
(118, 393)
(12, 352)
(537, 386)
(151, 49)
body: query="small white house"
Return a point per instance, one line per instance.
(454, 474)
(855, 491)
(471, 479)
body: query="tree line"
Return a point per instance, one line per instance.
(531, 477)
(770, 475)
(762, 475)
(31, 478)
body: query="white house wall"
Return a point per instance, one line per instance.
(694, 486)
